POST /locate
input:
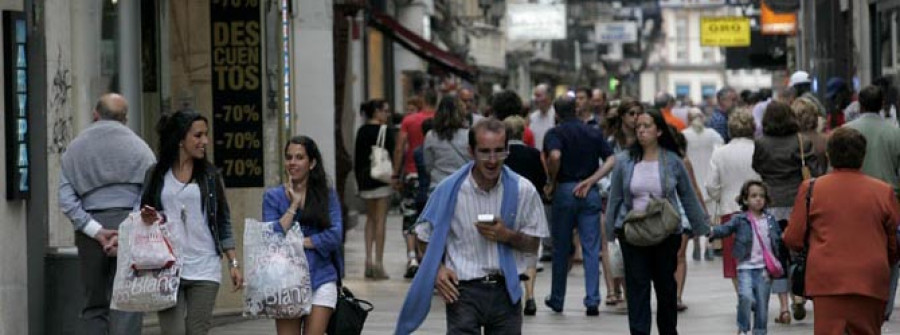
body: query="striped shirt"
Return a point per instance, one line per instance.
(468, 253)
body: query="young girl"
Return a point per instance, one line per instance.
(757, 241)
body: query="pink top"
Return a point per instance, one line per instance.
(644, 182)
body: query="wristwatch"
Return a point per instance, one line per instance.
(234, 264)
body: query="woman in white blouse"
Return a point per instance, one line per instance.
(729, 167)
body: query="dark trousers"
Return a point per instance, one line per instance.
(97, 273)
(484, 305)
(656, 265)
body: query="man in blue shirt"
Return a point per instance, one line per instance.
(573, 150)
(726, 99)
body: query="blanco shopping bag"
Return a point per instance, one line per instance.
(147, 290)
(276, 272)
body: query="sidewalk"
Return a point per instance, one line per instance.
(710, 299)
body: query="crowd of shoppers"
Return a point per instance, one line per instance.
(483, 191)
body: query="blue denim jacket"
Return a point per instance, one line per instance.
(677, 187)
(744, 236)
(327, 241)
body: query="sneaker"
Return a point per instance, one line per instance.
(592, 311)
(530, 307)
(411, 271)
(555, 309)
(799, 311)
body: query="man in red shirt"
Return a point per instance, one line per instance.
(406, 178)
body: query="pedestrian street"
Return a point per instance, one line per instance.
(710, 299)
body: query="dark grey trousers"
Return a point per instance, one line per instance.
(192, 315)
(97, 274)
(484, 305)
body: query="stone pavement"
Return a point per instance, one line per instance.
(710, 299)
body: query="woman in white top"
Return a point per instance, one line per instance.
(729, 167)
(446, 147)
(701, 141)
(186, 194)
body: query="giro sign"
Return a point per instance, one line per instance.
(727, 31)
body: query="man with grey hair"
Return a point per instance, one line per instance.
(543, 117)
(99, 185)
(726, 99)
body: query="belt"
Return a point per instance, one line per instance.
(491, 279)
(109, 209)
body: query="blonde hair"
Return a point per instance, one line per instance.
(807, 114)
(515, 127)
(740, 124)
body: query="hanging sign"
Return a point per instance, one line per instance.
(237, 91)
(724, 31)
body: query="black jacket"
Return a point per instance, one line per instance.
(218, 214)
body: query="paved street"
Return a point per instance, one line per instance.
(710, 299)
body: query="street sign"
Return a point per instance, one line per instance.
(532, 22)
(724, 31)
(616, 32)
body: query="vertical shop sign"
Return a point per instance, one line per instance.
(15, 95)
(237, 91)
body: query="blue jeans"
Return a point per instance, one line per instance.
(570, 212)
(753, 290)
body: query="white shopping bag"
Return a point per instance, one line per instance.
(616, 263)
(142, 290)
(150, 249)
(276, 272)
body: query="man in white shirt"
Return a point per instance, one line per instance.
(480, 225)
(543, 117)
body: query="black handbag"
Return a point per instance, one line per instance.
(350, 313)
(798, 272)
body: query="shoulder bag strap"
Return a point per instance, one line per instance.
(812, 182)
(382, 133)
(458, 152)
(755, 227)
(802, 153)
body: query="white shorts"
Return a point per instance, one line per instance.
(325, 295)
(377, 193)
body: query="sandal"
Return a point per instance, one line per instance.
(611, 300)
(681, 307)
(784, 318)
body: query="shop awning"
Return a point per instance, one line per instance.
(421, 47)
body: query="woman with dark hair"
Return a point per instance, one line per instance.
(446, 145)
(376, 193)
(652, 168)
(621, 124)
(681, 269)
(185, 192)
(779, 156)
(850, 221)
(306, 200)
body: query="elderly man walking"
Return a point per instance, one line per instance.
(100, 183)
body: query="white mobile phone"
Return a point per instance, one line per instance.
(486, 218)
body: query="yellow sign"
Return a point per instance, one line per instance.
(725, 31)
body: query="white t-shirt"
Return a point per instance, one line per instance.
(540, 124)
(193, 241)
